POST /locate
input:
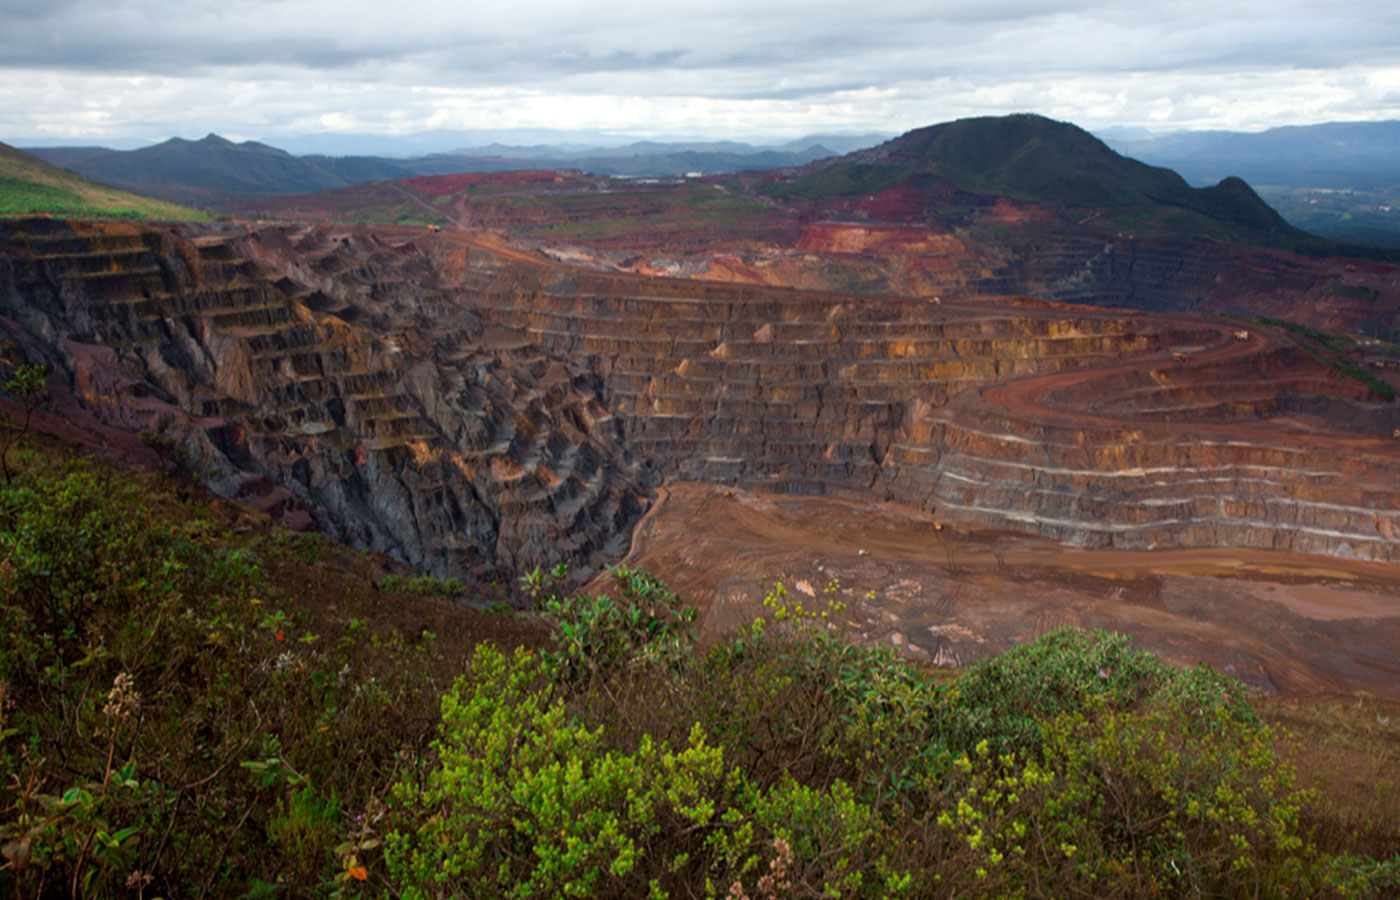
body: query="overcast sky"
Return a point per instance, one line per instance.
(128, 72)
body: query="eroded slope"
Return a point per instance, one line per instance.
(331, 378)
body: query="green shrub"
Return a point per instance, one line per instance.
(526, 800)
(28, 386)
(594, 635)
(796, 698)
(1126, 803)
(1005, 698)
(1354, 877)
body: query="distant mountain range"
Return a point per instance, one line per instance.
(207, 171)
(833, 144)
(216, 172)
(1338, 179)
(982, 173)
(1331, 155)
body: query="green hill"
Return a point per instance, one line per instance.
(213, 170)
(1056, 164)
(28, 185)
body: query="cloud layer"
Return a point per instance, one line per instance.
(145, 69)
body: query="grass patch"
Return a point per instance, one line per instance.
(422, 586)
(1347, 749)
(30, 186)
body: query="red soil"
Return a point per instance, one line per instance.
(447, 185)
(1283, 622)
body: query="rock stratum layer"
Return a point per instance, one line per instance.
(1071, 423)
(474, 408)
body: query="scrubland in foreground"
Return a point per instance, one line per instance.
(197, 704)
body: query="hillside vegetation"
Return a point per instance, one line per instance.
(28, 185)
(1058, 165)
(196, 705)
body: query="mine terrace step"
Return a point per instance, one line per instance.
(114, 274)
(1077, 530)
(1237, 489)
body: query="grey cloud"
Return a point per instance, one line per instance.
(901, 40)
(777, 61)
(168, 38)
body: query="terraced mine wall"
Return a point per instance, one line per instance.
(1165, 274)
(784, 390)
(1106, 486)
(474, 410)
(889, 399)
(344, 389)
(1195, 274)
(1061, 263)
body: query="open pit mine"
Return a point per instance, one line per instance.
(968, 471)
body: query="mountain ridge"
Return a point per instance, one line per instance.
(204, 171)
(213, 170)
(1340, 180)
(1040, 160)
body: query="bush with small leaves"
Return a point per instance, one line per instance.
(526, 800)
(594, 635)
(1159, 800)
(1004, 698)
(1351, 877)
(28, 385)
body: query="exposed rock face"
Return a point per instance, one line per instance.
(469, 407)
(346, 387)
(1107, 486)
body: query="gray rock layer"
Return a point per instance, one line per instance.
(330, 378)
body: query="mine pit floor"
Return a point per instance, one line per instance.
(950, 595)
